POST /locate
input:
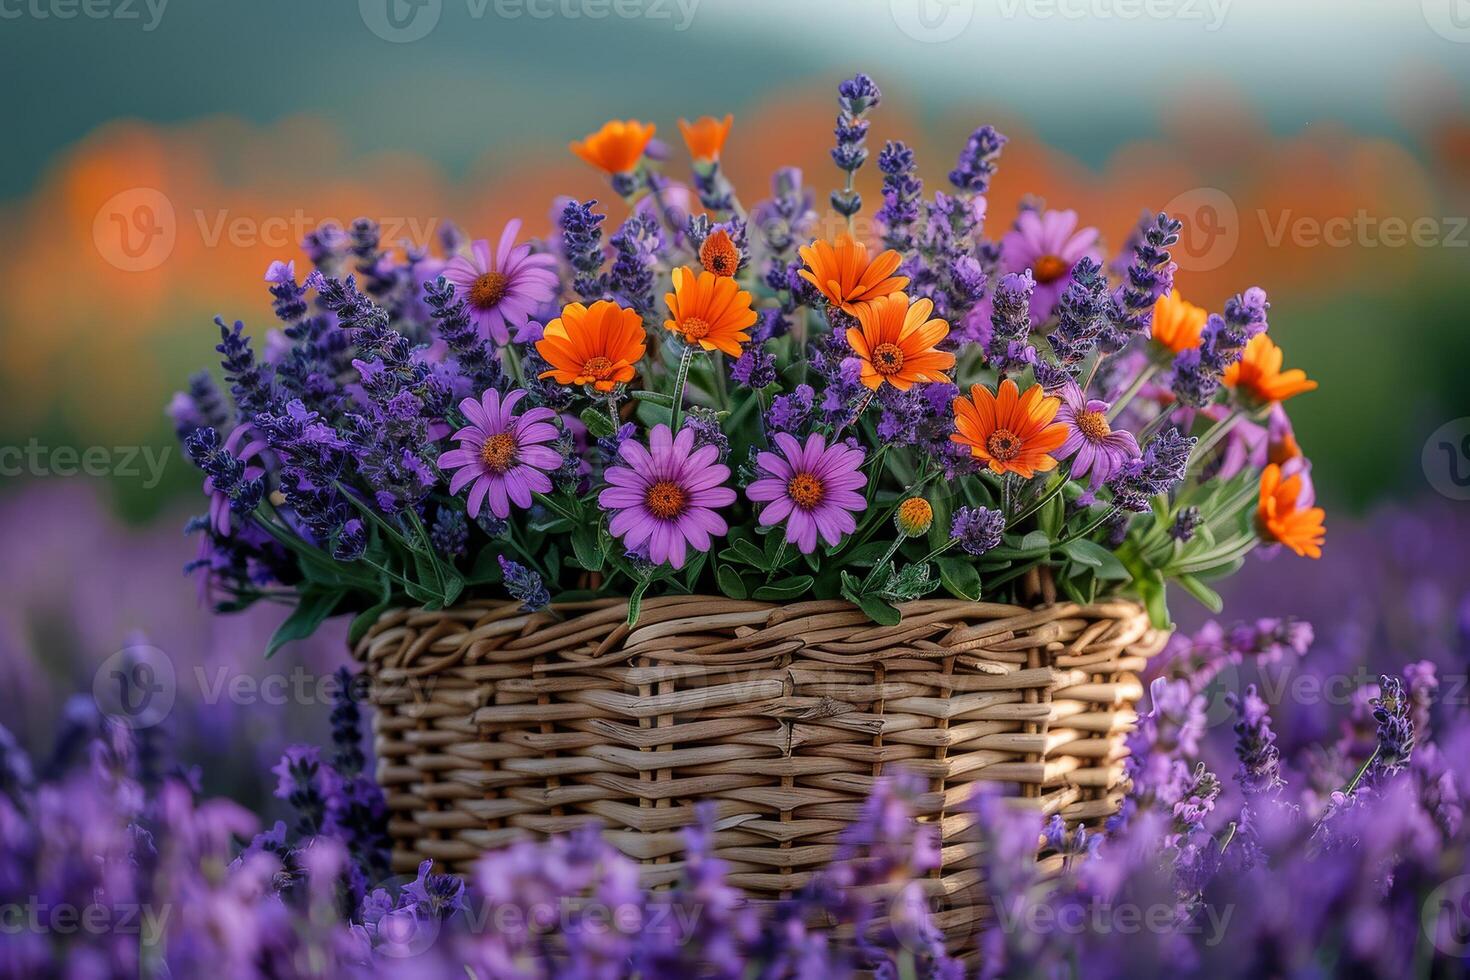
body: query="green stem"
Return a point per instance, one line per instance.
(1214, 434)
(612, 411)
(386, 571)
(418, 528)
(887, 556)
(680, 380)
(717, 365)
(780, 557)
(1045, 498)
(1089, 529)
(936, 552)
(1362, 771)
(1132, 390)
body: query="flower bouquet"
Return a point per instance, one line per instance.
(739, 503)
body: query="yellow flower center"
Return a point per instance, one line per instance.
(694, 328)
(498, 452)
(597, 368)
(1003, 445)
(1093, 426)
(914, 516)
(887, 359)
(1049, 268)
(488, 290)
(804, 490)
(666, 499)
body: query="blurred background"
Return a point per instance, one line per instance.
(160, 154)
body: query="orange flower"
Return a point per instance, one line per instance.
(1282, 517)
(705, 137)
(709, 310)
(1010, 432)
(1259, 373)
(617, 146)
(719, 253)
(596, 346)
(1178, 323)
(844, 275)
(896, 342)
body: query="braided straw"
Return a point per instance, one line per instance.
(494, 725)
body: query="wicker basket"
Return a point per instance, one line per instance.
(493, 724)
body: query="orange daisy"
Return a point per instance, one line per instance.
(705, 137)
(1178, 323)
(719, 253)
(1282, 516)
(709, 310)
(896, 341)
(1258, 373)
(843, 274)
(1010, 432)
(617, 147)
(595, 346)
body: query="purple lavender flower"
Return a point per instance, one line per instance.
(756, 368)
(977, 162)
(854, 98)
(978, 529)
(1158, 470)
(1149, 276)
(1010, 322)
(1050, 246)
(524, 585)
(902, 195)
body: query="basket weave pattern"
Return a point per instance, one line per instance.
(493, 724)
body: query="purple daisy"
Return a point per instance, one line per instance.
(813, 488)
(505, 287)
(663, 500)
(1099, 449)
(1049, 244)
(504, 454)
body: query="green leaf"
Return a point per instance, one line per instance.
(960, 577)
(1038, 541)
(866, 556)
(730, 582)
(635, 602)
(364, 621)
(315, 606)
(1103, 562)
(1207, 596)
(786, 588)
(879, 611)
(1151, 591)
(587, 548)
(655, 397)
(1049, 518)
(745, 552)
(599, 424)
